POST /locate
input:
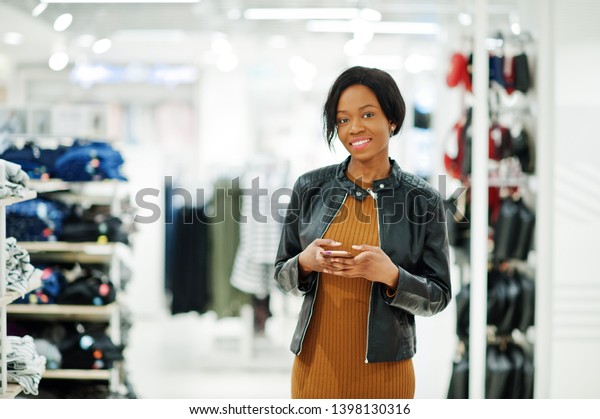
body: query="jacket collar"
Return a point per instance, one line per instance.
(391, 181)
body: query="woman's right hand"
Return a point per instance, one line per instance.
(311, 260)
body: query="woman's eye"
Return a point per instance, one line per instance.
(368, 115)
(342, 121)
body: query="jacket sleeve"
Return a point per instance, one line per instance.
(287, 273)
(429, 291)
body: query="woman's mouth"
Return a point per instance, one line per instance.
(360, 143)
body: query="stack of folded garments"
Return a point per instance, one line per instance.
(36, 161)
(15, 182)
(89, 350)
(24, 365)
(89, 160)
(53, 283)
(82, 161)
(35, 220)
(18, 267)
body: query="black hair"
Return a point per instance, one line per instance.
(381, 83)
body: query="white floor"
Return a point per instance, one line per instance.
(192, 356)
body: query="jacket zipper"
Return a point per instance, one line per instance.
(312, 305)
(374, 195)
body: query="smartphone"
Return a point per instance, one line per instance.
(336, 254)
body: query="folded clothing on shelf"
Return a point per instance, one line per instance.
(103, 229)
(86, 286)
(91, 288)
(15, 182)
(53, 283)
(38, 219)
(18, 266)
(37, 162)
(24, 365)
(89, 350)
(89, 160)
(84, 160)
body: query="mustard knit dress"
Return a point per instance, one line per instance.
(332, 362)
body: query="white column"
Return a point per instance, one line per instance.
(479, 207)
(544, 205)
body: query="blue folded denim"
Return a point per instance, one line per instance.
(85, 161)
(35, 161)
(35, 220)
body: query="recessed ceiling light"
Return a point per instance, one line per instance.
(63, 22)
(39, 9)
(310, 13)
(58, 61)
(101, 45)
(13, 38)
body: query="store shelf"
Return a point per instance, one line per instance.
(49, 185)
(72, 374)
(12, 391)
(34, 283)
(83, 252)
(103, 192)
(29, 194)
(51, 312)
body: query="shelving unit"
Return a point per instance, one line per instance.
(113, 255)
(7, 297)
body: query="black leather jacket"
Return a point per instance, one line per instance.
(412, 232)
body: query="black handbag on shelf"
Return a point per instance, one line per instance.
(524, 237)
(459, 380)
(513, 232)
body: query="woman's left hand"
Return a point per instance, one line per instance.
(372, 263)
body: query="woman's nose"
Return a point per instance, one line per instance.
(356, 126)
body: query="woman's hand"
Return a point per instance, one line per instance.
(372, 263)
(311, 259)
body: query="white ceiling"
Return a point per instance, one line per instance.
(180, 33)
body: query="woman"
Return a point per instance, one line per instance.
(365, 243)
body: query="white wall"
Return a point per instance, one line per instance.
(574, 338)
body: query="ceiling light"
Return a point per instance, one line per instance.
(465, 19)
(120, 1)
(63, 22)
(58, 61)
(39, 9)
(101, 45)
(407, 28)
(301, 13)
(13, 38)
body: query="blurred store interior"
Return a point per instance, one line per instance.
(195, 94)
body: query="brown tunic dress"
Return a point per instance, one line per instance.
(332, 362)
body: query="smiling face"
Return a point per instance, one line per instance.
(362, 126)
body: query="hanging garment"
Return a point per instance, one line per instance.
(190, 283)
(253, 269)
(521, 73)
(459, 379)
(224, 237)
